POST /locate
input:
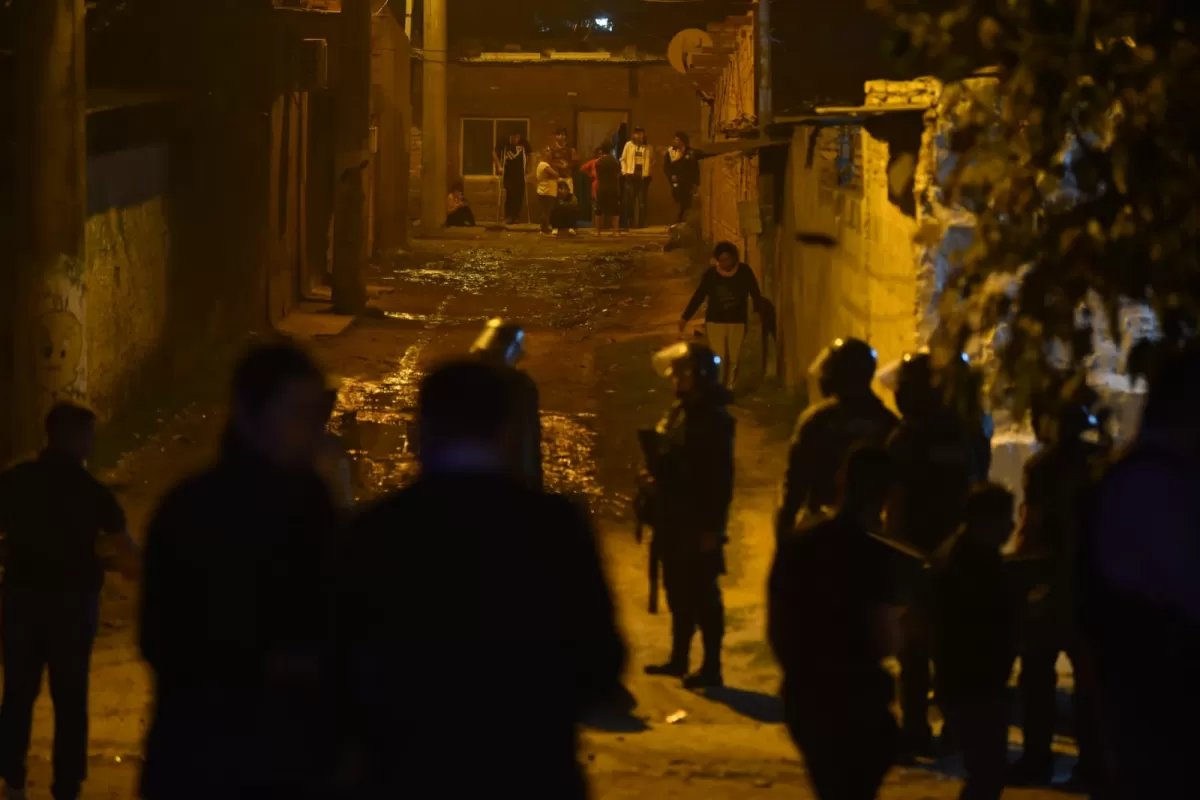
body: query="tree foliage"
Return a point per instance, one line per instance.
(1078, 161)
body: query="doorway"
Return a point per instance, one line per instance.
(599, 128)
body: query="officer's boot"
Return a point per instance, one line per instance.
(683, 627)
(712, 633)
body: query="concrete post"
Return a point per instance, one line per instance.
(766, 102)
(49, 337)
(433, 118)
(353, 157)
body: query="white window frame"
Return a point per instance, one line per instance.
(462, 127)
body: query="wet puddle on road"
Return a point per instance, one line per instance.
(377, 422)
(560, 291)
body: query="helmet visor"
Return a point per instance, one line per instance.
(668, 360)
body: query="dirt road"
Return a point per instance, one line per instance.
(595, 311)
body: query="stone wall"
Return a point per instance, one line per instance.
(127, 254)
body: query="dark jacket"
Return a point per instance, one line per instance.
(726, 296)
(824, 436)
(481, 628)
(936, 469)
(975, 619)
(1056, 482)
(684, 171)
(694, 476)
(529, 444)
(235, 627)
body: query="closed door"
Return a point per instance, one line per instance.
(598, 129)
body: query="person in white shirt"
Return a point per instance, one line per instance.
(637, 163)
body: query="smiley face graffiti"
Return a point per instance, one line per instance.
(59, 350)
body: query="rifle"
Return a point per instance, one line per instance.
(655, 559)
(646, 509)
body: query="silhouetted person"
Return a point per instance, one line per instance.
(691, 475)
(502, 345)
(62, 530)
(975, 620)
(1141, 596)
(235, 611)
(683, 171)
(850, 413)
(933, 456)
(831, 622)
(1056, 479)
(473, 603)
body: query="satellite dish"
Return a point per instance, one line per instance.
(686, 43)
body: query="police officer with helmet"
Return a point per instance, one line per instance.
(502, 344)
(849, 413)
(690, 471)
(936, 467)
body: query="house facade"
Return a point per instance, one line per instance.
(598, 97)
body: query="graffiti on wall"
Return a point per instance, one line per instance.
(60, 360)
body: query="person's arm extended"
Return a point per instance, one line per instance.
(114, 544)
(798, 480)
(752, 288)
(698, 298)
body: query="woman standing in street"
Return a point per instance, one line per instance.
(726, 285)
(512, 164)
(637, 161)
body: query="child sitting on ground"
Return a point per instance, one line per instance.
(975, 637)
(458, 212)
(565, 212)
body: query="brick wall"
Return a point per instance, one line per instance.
(864, 286)
(735, 104)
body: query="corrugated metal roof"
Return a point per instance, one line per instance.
(553, 57)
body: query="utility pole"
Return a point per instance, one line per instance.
(766, 102)
(433, 118)
(768, 174)
(49, 335)
(350, 254)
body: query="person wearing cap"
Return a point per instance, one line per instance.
(690, 470)
(826, 432)
(932, 452)
(502, 344)
(1055, 480)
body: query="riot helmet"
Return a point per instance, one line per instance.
(846, 368)
(501, 341)
(694, 366)
(915, 389)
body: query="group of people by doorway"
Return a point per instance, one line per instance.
(616, 179)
